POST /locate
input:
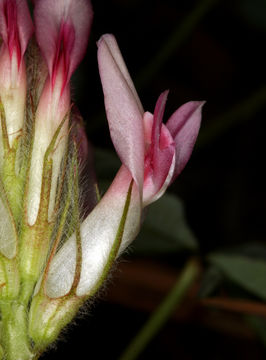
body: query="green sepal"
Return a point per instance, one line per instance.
(68, 216)
(35, 240)
(14, 336)
(68, 220)
(8, 234)
(6, 146)
(12, 181)
(76, 218)
(9, 278)
(47, 317)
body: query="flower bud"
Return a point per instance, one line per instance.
(62, 29)
(15, 30)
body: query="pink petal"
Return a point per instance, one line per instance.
(16, 26)
(62, 30)
(156, 129)
(122, 108)
(184, 126)
(162, 150)
(159, 155)
(110, 41)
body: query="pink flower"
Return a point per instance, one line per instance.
(62, 30)
(53, 254)
(15, 31)
(15, 28)
(152, 155)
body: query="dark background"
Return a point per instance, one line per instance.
(220, 59)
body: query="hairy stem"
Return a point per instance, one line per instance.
(15, 341)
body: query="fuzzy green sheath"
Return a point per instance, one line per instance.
(30, 320)
(25, 251)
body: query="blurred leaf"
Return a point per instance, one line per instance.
(210, 281)
(234, 116)
(246, 272)
(254, 12)
(253, 249)
(259, 326)
(165, 229)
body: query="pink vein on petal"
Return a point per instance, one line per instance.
(64, 48)
(16, 26)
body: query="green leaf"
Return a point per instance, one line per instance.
(165, 229)
(212, 278)
(249, 273)
(259, 326)
(252, 249)
(254, 11)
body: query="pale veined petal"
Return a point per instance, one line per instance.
(123, 111)
(105, 233)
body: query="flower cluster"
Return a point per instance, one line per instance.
(52, 259)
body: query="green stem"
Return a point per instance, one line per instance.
(163, 312)
(15, 341)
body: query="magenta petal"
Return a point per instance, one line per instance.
(16, 25)
(123, 111)
(159, 155)
(62, 30)
(157, 124)
(162, 149)
(184, 126)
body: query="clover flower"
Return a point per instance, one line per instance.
(52, 256)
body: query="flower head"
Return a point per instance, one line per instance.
(54, 254)
(62, 30)
(153, 152)
(152, 155)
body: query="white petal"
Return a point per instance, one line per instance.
(98, 234)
